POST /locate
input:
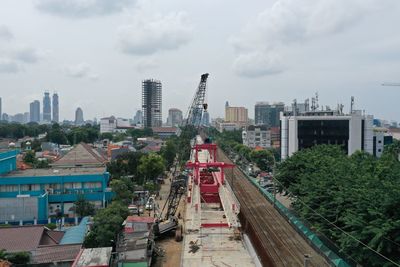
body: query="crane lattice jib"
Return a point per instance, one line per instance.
(195, 112)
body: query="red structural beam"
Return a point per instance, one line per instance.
(197, 165)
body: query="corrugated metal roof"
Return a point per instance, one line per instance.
(76, 234)
(57, 253)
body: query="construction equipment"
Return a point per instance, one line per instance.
(169, 221)
(198, 106)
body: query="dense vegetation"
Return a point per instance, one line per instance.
(16, 258)
(231, 141)
(348, 199)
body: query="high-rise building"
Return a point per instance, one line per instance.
(26, 117)
(56, 115)
(138, 118)
(34, 111)
(236, 115)
(268, 114)
(206, 118)
(174, 117)
(79, 117)
(352, 131)
(152, 103)
(46, 107)
(0, 109)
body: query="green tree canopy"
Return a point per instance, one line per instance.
(151, 166)
(107, 223)
(358, 194)
(263, 158)
(83, 207)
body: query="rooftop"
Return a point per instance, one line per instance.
(57, 253)
(81, 155)
(140, 219)
(93, 257)
(53, 172)
(27, 238)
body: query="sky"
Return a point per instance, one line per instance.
(95, 53)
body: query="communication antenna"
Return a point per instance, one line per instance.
(316, 100)
(352, 105)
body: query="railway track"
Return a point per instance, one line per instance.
(275, 240)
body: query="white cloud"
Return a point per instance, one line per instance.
(8, 66)
(146, 36)
(258, 64)
(15, 55)
(81, 70)
(27, 54)
(5, 33)
(82, 8)
(143, 64)
(289, 22)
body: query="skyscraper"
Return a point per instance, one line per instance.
(152, 103)
(55, 108)
(138, 118)
(46, 107)
(79, 117)
(0, 109)
(206, 118)
(174, 117)
(34, 111)
(268, 114)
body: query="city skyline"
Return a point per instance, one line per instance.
(247, 60)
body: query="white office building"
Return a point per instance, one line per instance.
(303, 130)
(257, 136)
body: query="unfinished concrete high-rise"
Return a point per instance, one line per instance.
(152, 103)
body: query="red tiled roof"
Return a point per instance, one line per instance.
(81, 154)
(55, 253)
(25, 238)
(140, 219)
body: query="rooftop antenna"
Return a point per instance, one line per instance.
(295, 107)
(307, 104)
(316, 100)
(352, 105)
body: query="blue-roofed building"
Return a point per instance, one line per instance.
(42, 193)
(76, 234)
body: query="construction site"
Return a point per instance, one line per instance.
(223, 218)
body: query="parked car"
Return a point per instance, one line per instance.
(135, 210)
(150, 202)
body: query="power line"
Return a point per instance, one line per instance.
(340, 229)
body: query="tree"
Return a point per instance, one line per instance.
(123, 189)
(30, 158)
(83, 207)
(169, 152)
(107, 223)
(263, 158)
(17, 258)
(151, 166)
(359, 194)
(57, 135)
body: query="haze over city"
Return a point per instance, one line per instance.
(95, 54)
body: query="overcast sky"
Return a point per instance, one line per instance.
(95, 53)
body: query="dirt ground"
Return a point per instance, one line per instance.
(171, 249)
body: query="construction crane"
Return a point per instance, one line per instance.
(169, 221)
(195, 112)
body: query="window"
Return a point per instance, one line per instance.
(8, 188)
(379, 150)
(380, 141)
